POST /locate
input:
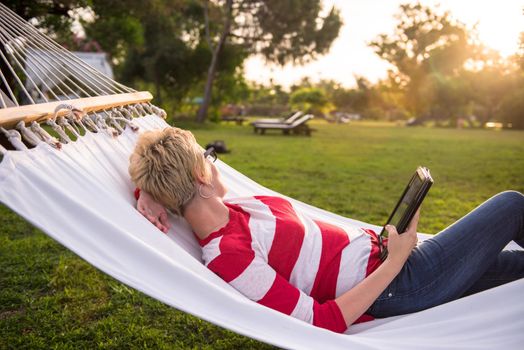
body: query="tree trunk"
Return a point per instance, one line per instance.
(202, 111)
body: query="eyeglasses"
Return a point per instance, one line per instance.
(210, 154)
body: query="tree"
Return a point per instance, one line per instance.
(117, 25)
(151, 43)
(520, 53)
(281, 31)
(311, 100)
(486, 89)
(167, 45)
(424, 45)
(267, 100)
(447, 97)
(512, 109)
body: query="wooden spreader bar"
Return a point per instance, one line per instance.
(9, 117)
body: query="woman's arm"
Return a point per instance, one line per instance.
(357, 300)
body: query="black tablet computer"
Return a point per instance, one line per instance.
(407, 205)
(410, 201)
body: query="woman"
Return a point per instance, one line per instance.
(326, 275)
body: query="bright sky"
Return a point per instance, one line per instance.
(499, 25)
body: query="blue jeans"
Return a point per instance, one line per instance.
(465, 258)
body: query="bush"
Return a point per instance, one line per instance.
(373, 113)
(266, 109)
(512, 110)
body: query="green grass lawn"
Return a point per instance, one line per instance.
(49, 298)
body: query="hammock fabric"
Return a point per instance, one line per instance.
(89, 203)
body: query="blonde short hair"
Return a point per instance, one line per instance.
(165, 163)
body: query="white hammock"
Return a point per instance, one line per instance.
(89, 203)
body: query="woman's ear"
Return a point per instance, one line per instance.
(204, 175)
(201, 178)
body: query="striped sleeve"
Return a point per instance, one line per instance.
(259, 282)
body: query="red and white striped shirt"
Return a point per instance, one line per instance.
(286, 261)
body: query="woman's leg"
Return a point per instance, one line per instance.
(464, 258)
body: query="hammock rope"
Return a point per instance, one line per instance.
(49, 52)
(41, 71)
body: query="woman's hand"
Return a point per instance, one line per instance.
(153, 211)
(358, 299)
(401, 245)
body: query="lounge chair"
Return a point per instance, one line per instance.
(288, 119)
(298, 126)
